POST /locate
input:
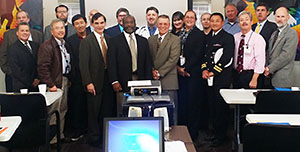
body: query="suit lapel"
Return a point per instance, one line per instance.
(24, 49)
(126, 43)
(280, 37)
(97, 45)
(163, 45)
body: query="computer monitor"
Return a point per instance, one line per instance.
(142, 134)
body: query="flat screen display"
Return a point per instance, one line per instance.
(134, 135)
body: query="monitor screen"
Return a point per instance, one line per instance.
(144, 134)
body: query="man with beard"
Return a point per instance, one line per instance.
(128, 59)
(151, 28)
(61, 12)
(282, 51)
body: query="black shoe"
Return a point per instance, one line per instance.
(76, 136)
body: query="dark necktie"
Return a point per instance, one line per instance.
(275, 37)
(240, 57)
(27, 46)
(159, 42)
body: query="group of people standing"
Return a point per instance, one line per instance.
(92, 65)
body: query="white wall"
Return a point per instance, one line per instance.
(135, 7)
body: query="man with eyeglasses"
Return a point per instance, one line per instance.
(61, 12)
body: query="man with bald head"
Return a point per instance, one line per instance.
(231, 23)
(282, 51)
(90, 28)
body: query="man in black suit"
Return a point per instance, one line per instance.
(22, 60)
(191, 85)
(264, 28)
(217, 70)
(117, 29)
(77, 113)
(9, 38)
(128, 59)
(93, 68)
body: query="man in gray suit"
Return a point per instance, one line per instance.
(9, 38)
(165, 51)
(282, 51)
(61, 12)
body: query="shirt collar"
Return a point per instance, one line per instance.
(262, 23)
(121, 28)
(213, 33)
(163, 36)
(23, 41)
(97, 34)
(127, 34)
(281, 29)
(59, 42)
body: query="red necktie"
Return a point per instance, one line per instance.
(240, 55)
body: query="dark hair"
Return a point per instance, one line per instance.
(122, 10)
(152, 8)
(192, 12)
(217, 14)
(22, 23)
(264, 5)
(78, 16)
(176, 15)
(96, 16)
(61, 5)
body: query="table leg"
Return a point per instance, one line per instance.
(238, 124)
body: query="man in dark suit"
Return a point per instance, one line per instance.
(217, 70)
(93, 68)
(8, 39)
(22, 60)
(117, 29)
(54, 67)
(191, 85)
(77, 113)
(128, 59)
(264, 28)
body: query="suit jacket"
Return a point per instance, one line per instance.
(193, 51)
(266, 31)
(49, 63)
(74, 42)
(165, 58)
(119, 62)
(9, 38)
(113, 31)
(281, 57)
(91, 62)
(223, 68)
(22, 64)
(69, 32)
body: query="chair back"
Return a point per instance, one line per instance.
(32, 109)
(270, 138)
(278, 102)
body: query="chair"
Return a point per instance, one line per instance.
(271, 138)
(278, 102)
(34, 130)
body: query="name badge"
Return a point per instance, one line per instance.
(182, 60)
(247, 49)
